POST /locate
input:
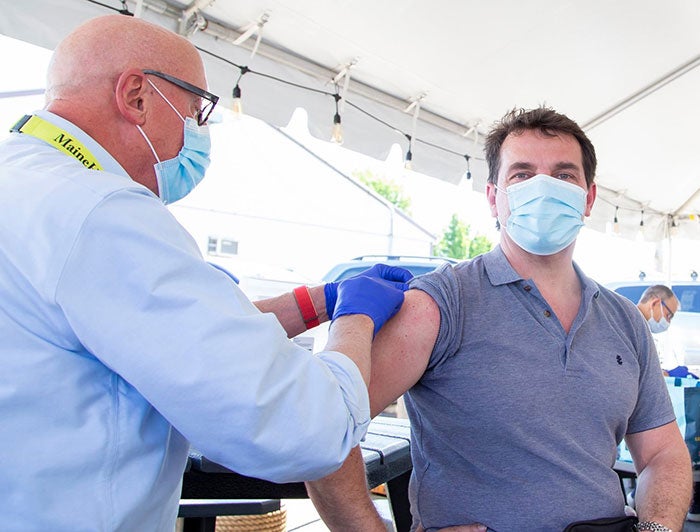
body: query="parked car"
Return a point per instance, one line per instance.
(680, 345)
(417, 265)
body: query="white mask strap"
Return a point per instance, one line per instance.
(166, 100)
(148, 142)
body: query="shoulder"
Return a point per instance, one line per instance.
(614, 303)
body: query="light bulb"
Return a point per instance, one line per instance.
(337, 135)
(408, 164)
(237, 103)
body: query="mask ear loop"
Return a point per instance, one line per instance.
(148, 142)
(166, 100)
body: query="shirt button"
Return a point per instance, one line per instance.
(547, 314)
(527, 288)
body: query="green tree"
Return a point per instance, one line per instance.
(457, 243)
(386, 188)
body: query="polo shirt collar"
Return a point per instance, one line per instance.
(500, 272)
(498, 268)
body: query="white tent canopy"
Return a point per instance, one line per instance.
(625, 70)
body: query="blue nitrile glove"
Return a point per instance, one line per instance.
(378, 295)
(392, 273)
(681, 371)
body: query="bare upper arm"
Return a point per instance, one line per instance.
(402, 348)
(646, 445)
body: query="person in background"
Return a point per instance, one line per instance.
(658, 305)
(121, 346)
(521, 374)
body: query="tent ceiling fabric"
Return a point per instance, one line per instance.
(472, 61)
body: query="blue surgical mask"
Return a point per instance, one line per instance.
(179, 175)
(546, 214)
(658, 326)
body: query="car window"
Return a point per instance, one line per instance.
(633, 293)
(689, 296)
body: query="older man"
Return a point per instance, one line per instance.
(522, 374)
(658, 304)
(120, 344)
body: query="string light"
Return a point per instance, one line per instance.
(408, 161)
(337, 134)
(237, 104)
(616, 223)
(673, 230)
(344, 73)
(343, 101)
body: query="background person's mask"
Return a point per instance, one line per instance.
(546, 214)
(658, 326)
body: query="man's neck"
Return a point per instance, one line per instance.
(551, 269)
(554, 275)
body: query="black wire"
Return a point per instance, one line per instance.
(245, 70)
(124, 10)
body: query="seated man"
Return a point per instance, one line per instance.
(522, 374)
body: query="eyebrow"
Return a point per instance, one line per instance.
(562, 165)
(521, 165)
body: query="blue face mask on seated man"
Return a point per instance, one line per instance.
(546, 214)
(179, 175)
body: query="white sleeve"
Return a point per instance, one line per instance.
(140, 298)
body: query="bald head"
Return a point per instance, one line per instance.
(96, 81)
(98, 51)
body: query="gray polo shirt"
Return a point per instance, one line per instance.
(515, 422)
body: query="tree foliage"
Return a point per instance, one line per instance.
(457, 242)
(386, 188)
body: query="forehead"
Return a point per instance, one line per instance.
(542, 151)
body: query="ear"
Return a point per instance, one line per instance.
(491, 197)
(131, 94)
(590, 198)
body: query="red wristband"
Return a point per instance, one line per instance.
(306, 306)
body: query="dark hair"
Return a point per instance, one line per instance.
(548, 122)
(661, 291)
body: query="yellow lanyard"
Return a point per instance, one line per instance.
(58, 138)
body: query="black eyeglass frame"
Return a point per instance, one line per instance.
(670, 314)
(202, 114)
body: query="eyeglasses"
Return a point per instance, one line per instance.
(211, 99)
(669, 317)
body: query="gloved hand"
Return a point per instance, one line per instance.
(377, 293)
(382, 271)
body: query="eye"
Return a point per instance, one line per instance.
(521, 176)
(565, 176)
